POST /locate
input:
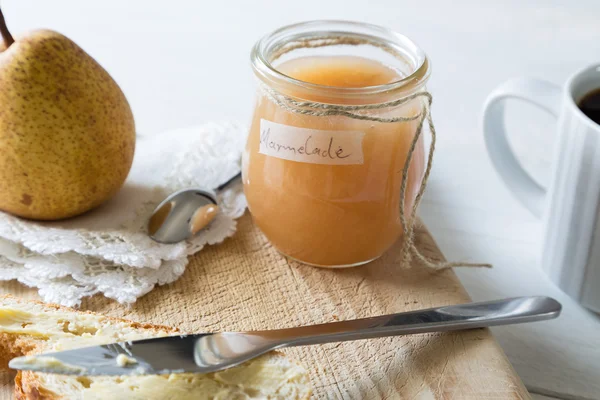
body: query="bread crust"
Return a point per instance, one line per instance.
(12, 346)
(28, 387)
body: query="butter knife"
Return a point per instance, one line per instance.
(210, 352)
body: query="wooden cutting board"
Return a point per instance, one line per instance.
(244, 284)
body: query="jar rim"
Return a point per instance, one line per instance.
(265, 70)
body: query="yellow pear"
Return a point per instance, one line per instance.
(67, 134)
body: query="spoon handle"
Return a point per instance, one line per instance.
(449, 318)
(229, 181)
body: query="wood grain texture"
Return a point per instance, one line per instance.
(244, 284)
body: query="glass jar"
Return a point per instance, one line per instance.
(335, 117)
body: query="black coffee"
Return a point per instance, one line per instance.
(590, 105)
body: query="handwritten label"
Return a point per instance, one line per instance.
(310, 145)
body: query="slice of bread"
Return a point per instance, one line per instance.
(29, 327)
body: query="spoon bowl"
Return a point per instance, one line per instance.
(185, 213)
(171, 221)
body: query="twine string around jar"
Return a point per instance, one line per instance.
(361, 112)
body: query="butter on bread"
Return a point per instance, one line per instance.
(30, 327)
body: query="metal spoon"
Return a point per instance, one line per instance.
(185, 213)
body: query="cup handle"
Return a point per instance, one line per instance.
(543, 94)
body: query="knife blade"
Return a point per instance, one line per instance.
(171, 354)
(198, 353)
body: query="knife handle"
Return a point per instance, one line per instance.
(226, 349)
(440, 319)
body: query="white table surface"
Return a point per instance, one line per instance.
(182, 63)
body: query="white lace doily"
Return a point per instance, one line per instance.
(108, 250)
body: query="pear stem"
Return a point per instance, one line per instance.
(6, 36)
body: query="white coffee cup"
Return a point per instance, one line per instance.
(570, 205)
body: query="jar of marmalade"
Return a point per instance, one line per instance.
(336, 116)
